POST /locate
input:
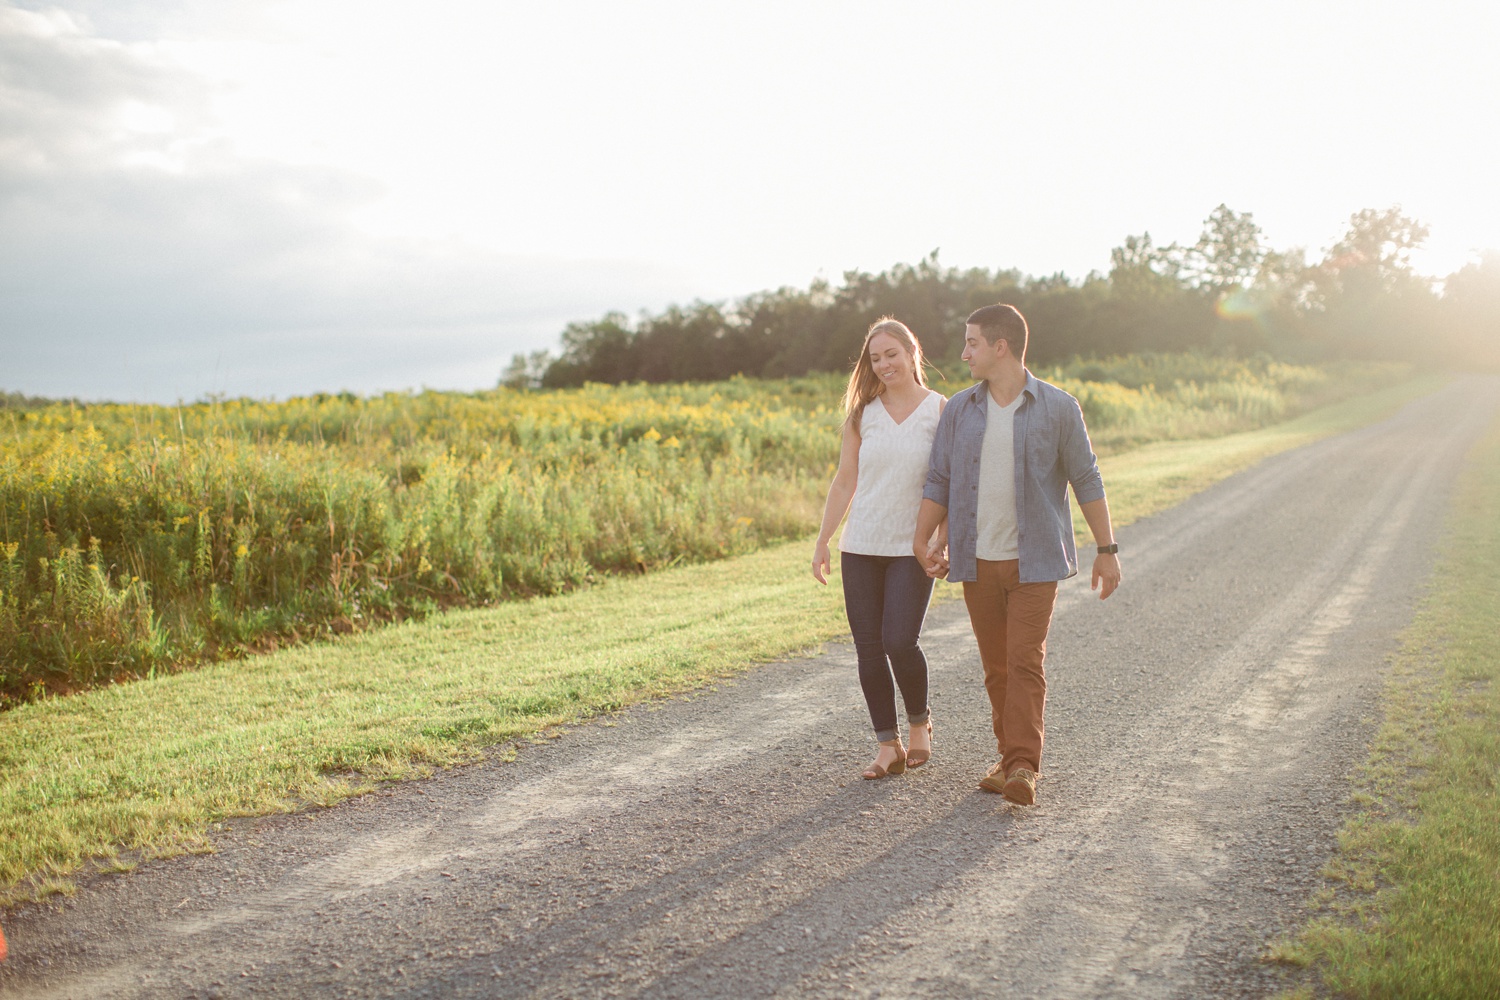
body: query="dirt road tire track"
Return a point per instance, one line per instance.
(1202, 726)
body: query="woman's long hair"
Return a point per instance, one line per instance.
(864, 384)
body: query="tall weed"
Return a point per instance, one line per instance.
(141, 538)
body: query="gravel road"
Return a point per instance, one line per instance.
(1202, 727)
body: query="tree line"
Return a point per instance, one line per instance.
(1228, 292)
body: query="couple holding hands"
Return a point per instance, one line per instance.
(974, 489)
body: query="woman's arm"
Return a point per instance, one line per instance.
(840, 493)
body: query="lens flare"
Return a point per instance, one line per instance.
(1239, 304)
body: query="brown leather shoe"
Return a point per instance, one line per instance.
(993, 781)
(1020, 787)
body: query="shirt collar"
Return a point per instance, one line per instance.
(1030, 388)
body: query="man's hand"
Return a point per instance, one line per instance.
(1106, 574)
(930, 544)
(935, 560)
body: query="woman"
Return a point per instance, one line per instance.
(891, 419)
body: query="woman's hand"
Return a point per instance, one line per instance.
(935, 561)
(821, 565)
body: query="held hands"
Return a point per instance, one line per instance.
(1106, 574)
(821, 564)
(934, 559)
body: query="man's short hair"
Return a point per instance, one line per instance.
(1002, 322)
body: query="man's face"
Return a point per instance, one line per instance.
(982, 357)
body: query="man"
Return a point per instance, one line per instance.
(1005, 453)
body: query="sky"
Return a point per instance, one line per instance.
(246, 197)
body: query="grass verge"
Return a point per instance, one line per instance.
(147, 767)
(1415, 897)
(1160, 475)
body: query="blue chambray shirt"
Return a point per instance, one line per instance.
(1052, 450)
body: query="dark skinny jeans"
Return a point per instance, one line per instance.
(886, 599)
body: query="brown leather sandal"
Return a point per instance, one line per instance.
(898, 766)
(916, 758)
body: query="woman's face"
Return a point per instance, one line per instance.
(889, 359)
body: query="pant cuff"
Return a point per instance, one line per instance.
(886, 735)
(920, 720)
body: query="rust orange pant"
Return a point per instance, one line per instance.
(1010, 620)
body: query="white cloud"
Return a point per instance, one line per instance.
(143, 257)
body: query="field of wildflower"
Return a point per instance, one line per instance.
(136, 539)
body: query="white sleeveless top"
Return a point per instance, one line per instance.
(892, 472)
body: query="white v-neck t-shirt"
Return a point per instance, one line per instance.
(997, 537)
(892, 471)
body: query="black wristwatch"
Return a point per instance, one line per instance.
(1110, 549)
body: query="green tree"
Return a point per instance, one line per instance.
(1140, 271)
(1471, 313)
(526, 371)
(593, 352)
(1152, 305)
(1226, 291)
(1368, 301)
(1228, 254)
(1378, 245)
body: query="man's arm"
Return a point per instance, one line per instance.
(1106, 565)
(1082, 469)
(927, 544)
(939, 461)
(1079, 463)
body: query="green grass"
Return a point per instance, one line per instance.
(148, 767)
(1415, 901)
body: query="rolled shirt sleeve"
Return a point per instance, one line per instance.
(1079, 461)
(939, 462)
